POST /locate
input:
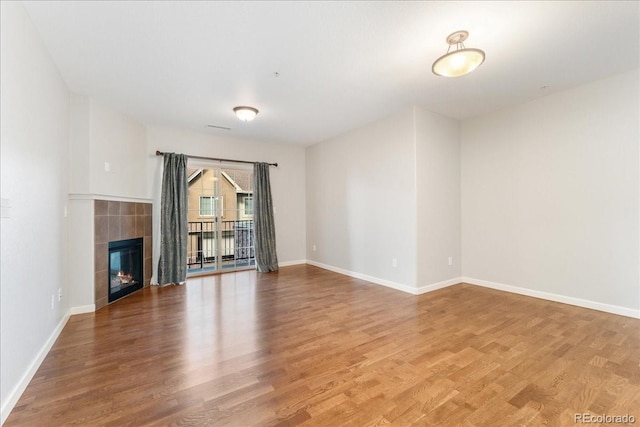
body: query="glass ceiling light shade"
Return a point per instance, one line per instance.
(459, 62)
(246, 114)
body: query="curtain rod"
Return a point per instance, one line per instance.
(160, 153)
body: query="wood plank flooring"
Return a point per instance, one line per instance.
(305, 346)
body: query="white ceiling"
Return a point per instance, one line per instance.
(341, 64)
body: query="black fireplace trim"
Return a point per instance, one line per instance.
(137, 242)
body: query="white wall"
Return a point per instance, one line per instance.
(121, 142)
(34, 151)
(550, 193)
(361, 201)
(81, 255)
(287, 180)
(80, 144)
(99, 135)
(438, 198)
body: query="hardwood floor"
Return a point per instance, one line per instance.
(306, 346)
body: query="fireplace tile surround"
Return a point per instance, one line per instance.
(117, 220)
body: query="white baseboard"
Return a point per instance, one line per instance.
(16, 392)
(14, 395)
(435, 286)
(387, 283)
(290, 263)
(361, 276)
(90, 308)
(594, 305)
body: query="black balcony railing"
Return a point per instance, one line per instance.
(232, 242)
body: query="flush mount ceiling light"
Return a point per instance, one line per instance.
(459, 62)
(246, 114)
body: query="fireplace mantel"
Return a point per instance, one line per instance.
(87, 196)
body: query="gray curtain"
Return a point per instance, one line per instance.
(264, 229)
(172, 267)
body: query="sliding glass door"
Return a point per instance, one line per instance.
(220, 215)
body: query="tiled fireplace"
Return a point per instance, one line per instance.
(116, 221)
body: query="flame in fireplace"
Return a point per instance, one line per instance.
(125, 277)
(122, 280)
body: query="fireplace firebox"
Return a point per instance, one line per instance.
(125, 267)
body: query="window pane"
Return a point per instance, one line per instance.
(207, 204)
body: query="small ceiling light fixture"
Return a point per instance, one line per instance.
(246, 114)
(459, 62)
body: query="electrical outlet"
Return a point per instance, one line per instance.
(394, 262)
(107, 167)
(450, 260)
(59, 294)
(314, 248)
